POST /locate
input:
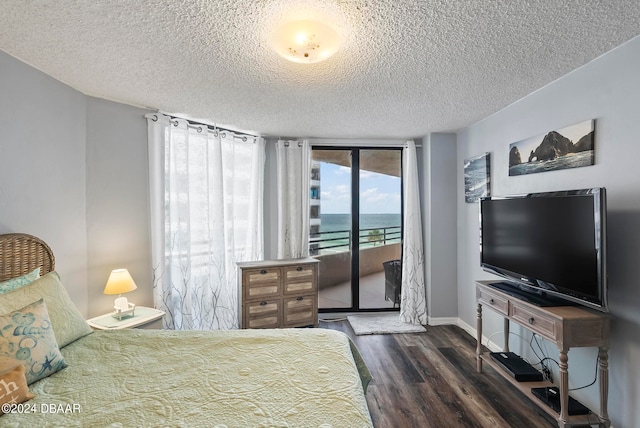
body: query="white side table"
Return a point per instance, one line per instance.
(143, 315)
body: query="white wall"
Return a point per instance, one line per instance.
(438, 175)
(118, 229)
(42, 167)
(73, 171)
(608, 90)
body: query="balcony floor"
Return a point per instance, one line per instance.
(371, 294)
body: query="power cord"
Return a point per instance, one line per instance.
(542, 360)
(546, 372)
(502, 332)
(595, 377)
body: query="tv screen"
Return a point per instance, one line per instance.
(548, 243)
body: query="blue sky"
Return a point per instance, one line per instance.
(379, 193)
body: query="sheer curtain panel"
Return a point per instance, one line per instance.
(413, 301)
(294, 187)
(206, 214)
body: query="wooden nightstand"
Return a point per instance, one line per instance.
(143, 315)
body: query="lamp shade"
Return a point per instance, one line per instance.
(119, 282)
(305, 41)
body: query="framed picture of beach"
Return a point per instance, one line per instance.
(568, 147)
(477, 178)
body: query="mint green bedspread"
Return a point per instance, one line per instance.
(244, 378)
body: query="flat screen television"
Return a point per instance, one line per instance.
(550, 247)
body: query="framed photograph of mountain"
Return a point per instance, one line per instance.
(477, 178)
(568, 147)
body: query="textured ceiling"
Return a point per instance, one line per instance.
(405, 69)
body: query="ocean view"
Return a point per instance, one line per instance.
(333, 222)
(342, 222)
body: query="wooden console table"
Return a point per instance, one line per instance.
(567, 327)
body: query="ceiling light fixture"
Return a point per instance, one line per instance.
(305, 42)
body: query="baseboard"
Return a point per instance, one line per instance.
(443, 321)
(466, 327)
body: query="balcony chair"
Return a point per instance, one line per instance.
(392, 281)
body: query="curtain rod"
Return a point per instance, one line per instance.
(362, 145)
(216, 129)
(286, 143)
(360, 142)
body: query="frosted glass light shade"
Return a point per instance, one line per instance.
(305, 41)
(119, 282)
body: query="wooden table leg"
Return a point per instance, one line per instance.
(603, 369)
(564, 388)
(479, 339)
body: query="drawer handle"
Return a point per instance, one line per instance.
(299, 268)
(263, 303)
(531, 320)
(299, 298)
(263, 272)
(492, 301)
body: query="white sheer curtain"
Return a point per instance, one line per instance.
(413, 303)
(294, 175)
(206, 214)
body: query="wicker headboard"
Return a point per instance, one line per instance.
(21, 253)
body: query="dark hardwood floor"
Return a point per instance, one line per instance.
(430, 380)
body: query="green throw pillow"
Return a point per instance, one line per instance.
(13, 283)
(27, 336)
(67, 322)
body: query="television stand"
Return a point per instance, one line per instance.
(567, 327)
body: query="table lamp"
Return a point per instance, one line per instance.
(120, 282)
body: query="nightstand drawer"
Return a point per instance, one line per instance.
(263, 314)
(300, 310)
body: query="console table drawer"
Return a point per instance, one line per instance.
(535, 321)
(497, 303)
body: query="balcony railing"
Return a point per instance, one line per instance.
(340, 240)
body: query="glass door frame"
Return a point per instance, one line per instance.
(355, 224)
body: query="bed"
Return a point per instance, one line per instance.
(144, 378)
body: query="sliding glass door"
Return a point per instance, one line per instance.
(330, 227)
(356, 227)
(380, 230)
